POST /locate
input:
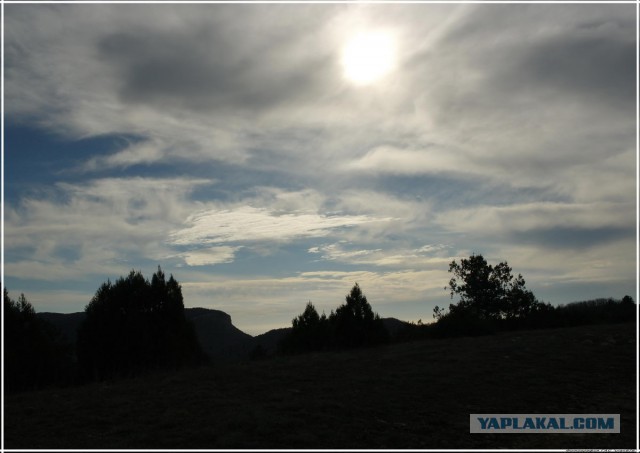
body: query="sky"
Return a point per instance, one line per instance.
(268, 155)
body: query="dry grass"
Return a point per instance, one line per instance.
(412, 395)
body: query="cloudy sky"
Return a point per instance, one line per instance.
(271, 154)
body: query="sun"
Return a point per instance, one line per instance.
(368, 57)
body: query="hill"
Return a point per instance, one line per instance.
(407, 395)
(394, 326)
(219, 338)
(66, 323)
(269, 340)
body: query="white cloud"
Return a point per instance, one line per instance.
(457, 103)
(537, 215)
(95, 227)
(249, 224)
(211, 255)
(533, 99)
(432, 249)
(140, 153)
(336, 252)
(431, 160)
(427, 257)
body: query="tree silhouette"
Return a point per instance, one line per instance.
(309, 332)
(355, 323)
(488, 292)
(35, 353)
(135, 325)
(627, 300)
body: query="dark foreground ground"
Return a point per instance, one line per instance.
(412, 395)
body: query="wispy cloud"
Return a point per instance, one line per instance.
(211, 255)
(426, 257)
(531, 218)
(505, 129)
(434, 160)
(95, 227)
(248, 224)
(261, 301)
(146, 152)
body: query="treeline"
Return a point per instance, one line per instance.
(131, 326)
(353, 324)
(596, 311)
(493, 300)
(35, 352)
(135, 325)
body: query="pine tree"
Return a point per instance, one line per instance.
(135, 325)
(355, 323)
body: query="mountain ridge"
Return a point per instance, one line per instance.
(221, 341)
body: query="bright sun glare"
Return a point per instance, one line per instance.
(368, 57)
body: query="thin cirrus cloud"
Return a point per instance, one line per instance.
(386, 159)
(211, 255)
(248, 224)
(95, 226)
(425, 257)
(146, 152)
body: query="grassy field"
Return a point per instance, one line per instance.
(412, 395)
